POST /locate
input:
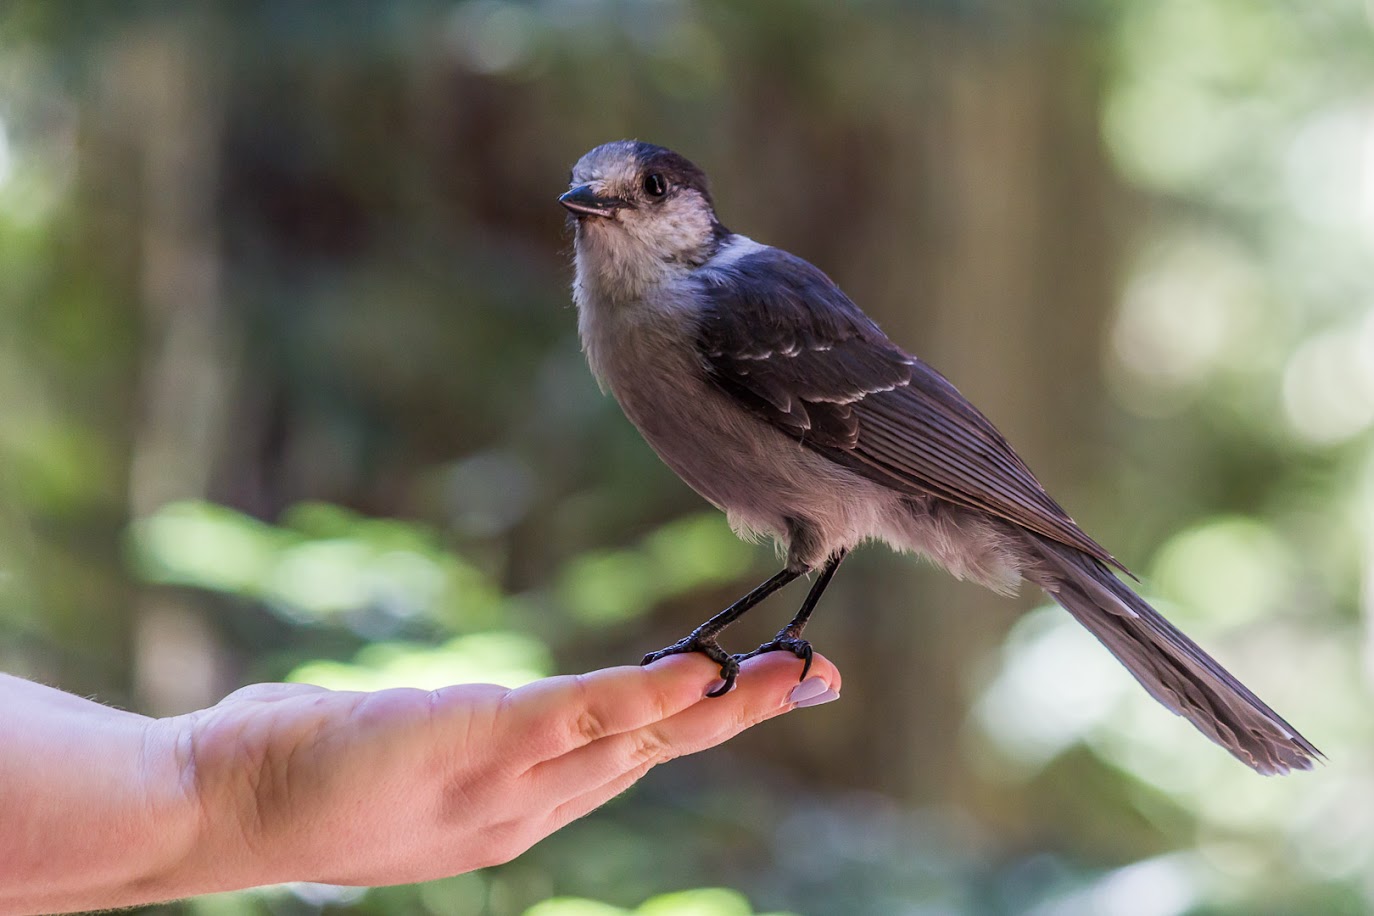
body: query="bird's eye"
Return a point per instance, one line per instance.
(655, 185)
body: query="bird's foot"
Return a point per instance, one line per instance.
(707, 646)
(784, 642)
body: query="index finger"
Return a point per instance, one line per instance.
(767, 687)
(556, 715)
(559, 714)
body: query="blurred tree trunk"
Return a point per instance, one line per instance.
(1020, 280)
(167, 81)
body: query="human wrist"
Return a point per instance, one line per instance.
(168, 828)
(94, 814)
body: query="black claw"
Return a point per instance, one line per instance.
(707, 646)
(784, 643)
(729, 672)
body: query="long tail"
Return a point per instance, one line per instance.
(1170, 665)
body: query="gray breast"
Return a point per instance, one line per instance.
(766, 482)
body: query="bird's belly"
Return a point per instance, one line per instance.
(765, 481)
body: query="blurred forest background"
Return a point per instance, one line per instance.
(291, 389)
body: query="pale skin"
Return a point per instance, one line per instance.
(289, 782)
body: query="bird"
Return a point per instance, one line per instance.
(771, 394)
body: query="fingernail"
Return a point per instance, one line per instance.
(715, 685)
(807, 689)
(829, 696)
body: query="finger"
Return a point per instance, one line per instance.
(764, 690)
(559, 714)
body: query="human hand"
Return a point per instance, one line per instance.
(296, 782)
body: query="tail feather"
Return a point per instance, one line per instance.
(1168, 664)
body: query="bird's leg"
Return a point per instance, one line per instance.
(789, 637)
(703, 638)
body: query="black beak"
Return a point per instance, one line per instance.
(582, 201)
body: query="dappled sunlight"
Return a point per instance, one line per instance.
(1056, 685)
(322, 561)
(604, 587)
(704, 902)
(493, 36)
(1329, 171)
(509, 659)
(6, 162)
(1226, 572)
(1185, 111)
(38, 149)
(1188, 312)
(1166, 886)
(1328, 385)
(205, 545)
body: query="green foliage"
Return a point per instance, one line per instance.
(607, 586)
(703, 902)
(505, 658)
(321, 562)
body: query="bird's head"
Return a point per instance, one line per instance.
(642, 213)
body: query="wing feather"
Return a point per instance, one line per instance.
(787, 344)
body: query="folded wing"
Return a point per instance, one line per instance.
(783, 340)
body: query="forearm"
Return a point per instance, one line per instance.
(93, 811)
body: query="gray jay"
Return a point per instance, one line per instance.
(773, 396)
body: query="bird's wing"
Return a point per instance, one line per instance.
(787, 344)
